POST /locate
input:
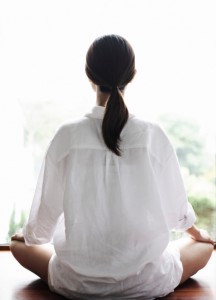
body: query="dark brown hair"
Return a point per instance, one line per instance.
(110, 64)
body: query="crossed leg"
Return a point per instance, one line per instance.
(194, 256)
(34, 258)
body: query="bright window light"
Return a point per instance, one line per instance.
(42, 80)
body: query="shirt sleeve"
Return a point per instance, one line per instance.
(178, 211)
(46, 207)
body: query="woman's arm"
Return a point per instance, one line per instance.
(47, 205)
(199, 235)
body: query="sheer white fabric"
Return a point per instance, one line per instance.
(109, 216)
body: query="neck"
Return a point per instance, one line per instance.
(101, 98)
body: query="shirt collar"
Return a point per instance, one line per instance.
(98, 112)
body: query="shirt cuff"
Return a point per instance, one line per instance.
(31, 238)
(187, 218)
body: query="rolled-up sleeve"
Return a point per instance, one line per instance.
(178, 211)
(187, 218)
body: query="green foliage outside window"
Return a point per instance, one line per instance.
(14, 225)
(198, 168)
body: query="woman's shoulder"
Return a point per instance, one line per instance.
(71, 128)
(65, 136)
(70, 125)
(152, 134)
(153, 129)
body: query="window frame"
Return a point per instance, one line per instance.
(4, 247)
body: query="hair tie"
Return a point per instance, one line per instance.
(114, 87)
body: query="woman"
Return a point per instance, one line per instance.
(109, 193)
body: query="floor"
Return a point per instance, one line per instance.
(19, 284)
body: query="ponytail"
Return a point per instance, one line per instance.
(110, 64)
(115, 117)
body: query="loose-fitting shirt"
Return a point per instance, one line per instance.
(108, 215)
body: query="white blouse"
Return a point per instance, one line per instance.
(108, 216)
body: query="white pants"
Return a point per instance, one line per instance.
(157, 279)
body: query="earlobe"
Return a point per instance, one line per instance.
(135, 72)
(94, 87)
(134, 75)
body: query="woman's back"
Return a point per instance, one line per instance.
(112, 205)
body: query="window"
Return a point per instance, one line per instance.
(42, 57)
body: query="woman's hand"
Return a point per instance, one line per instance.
(204, 236)
(200, 235)
(18, 237)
